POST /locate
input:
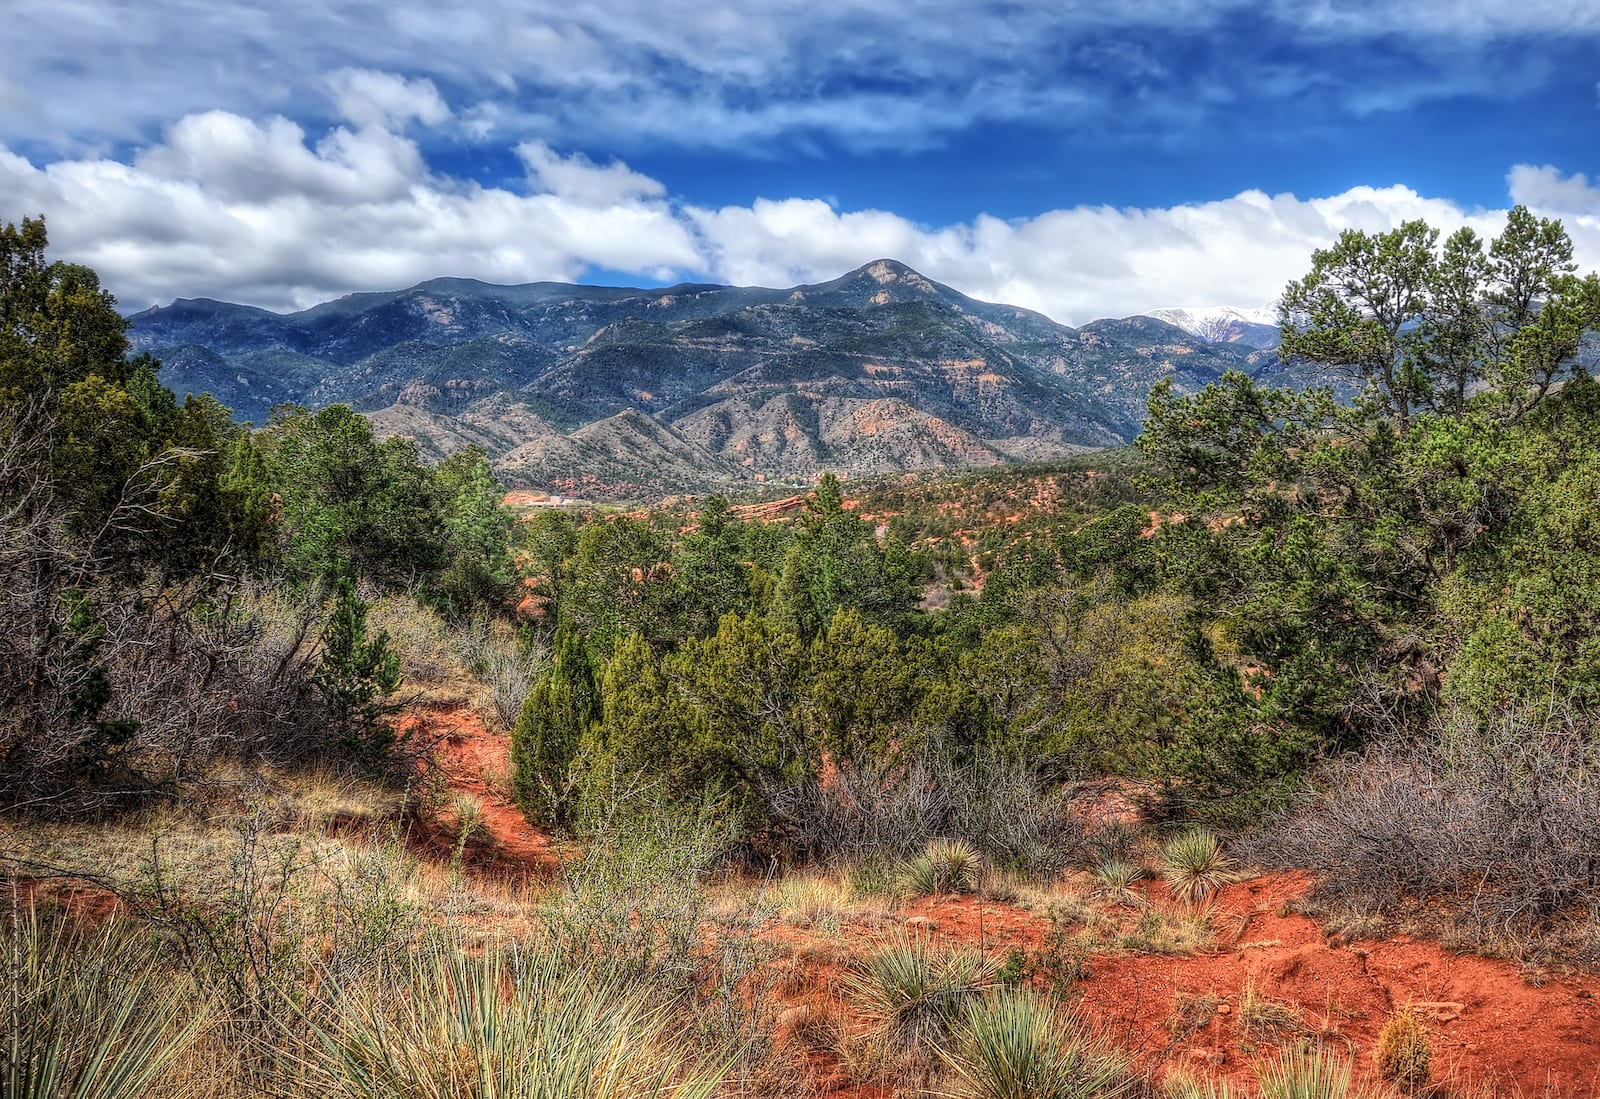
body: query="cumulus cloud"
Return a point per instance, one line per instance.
(1081, 263)
(228, 207)
(260, 211)
(368, 97)
(580, 180)
(1548, 188)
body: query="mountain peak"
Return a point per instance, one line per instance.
(1255, 327)
(881, 282)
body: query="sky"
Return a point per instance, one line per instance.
(1085, 158)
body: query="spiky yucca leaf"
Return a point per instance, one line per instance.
(498, 1024)
(1194, 865)
(1114, 880)
(943, 866)
(1184, 1086)
(1018, 1045)
(87, 1015)
(1301, 1073)
(914, 993)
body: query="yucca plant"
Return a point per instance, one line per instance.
(1183, 1086)
(500, 1023)
(943, 866)
(88, 1015)
(1301, 1073)
(912, 993)
(1019, 1045)
(1114, 879)
(1194, 865)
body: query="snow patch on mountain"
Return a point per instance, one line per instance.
(1225, 323)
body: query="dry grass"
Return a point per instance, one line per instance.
(1261, 1016)
(1191, 1012)
(814, 899)
(434, 656)
(1404, 1053)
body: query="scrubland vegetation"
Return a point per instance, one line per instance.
(1354, 637)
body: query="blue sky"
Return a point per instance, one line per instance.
(1085, 159)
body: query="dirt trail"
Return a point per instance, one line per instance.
(476, 763)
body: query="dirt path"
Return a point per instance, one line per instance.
(475, 763)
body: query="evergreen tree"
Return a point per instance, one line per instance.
(554, 723)
(356, 675)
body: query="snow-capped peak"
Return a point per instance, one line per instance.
(1225, 324)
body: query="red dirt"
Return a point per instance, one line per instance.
(476, 762)
(1487, 1022)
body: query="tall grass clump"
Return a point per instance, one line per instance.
(501, 1023)
(88, 1015)
(1194, 866)
(1301, 1073)
(892, 808)
(1018, 1045)
(637, 896)
(912, 995)
(943, 866)
(1184, 1086)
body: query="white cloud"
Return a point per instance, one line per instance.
(368, 97)
(231, 208)
(1546, 187)
(1080, 263)
(260, 212)
(726, 72)
(579, 180)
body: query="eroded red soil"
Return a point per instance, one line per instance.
(1488, 1022)
(475, 763)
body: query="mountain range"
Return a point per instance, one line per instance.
(625, 393)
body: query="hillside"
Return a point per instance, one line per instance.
(881, 369)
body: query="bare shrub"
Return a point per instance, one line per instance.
(892, 810)
(1491, 826)
(509, 665)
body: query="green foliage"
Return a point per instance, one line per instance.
(745, 686)
(1354, 567)
(352, 508)
(647, 735)
(709, 565)
(557, 716)
(1018, 1045)
(87, 1015)
(834, 562)
(477, 533)
(617, 582)
(863, 687)
(356, 675)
